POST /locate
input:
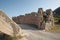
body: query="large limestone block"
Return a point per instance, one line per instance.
(5, 27)
(8, 26)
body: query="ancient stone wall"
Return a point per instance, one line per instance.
(40, 18)
(50, 20)
(27, 18)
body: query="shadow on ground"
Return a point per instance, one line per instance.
(28, 27)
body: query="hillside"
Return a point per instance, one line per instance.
(57, 12)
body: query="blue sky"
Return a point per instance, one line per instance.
(20, 7)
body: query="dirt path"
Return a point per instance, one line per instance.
(35, 34)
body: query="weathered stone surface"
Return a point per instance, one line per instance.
(8, 26)
(10, 22)
(5, 27)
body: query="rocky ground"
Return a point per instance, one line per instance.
(35, 34)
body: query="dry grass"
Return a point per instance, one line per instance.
(56, 28)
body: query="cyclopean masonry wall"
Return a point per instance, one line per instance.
(50, 20)
(27, 18)
(44, 20)
(40, 19)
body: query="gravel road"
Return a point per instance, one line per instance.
(35, 34)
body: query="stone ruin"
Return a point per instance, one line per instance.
(43, 19)
(8, 28)
(50, 20)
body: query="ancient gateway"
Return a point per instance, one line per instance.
(43, 19)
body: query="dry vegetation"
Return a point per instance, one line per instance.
(56, 28)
